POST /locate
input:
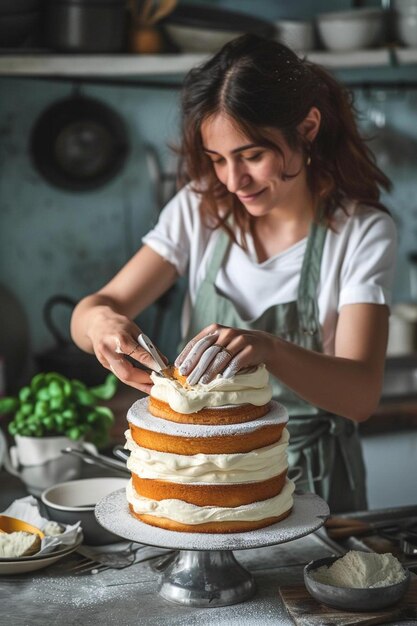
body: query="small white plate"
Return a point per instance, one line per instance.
(36, 562)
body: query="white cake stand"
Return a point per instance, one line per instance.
(205, 572)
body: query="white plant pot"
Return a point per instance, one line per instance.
(40, 450)
(39, 462)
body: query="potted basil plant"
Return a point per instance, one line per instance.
(53, 412)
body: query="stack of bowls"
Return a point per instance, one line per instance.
(406, 21)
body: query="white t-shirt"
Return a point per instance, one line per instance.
(357, 264)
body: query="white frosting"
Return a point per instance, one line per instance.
(185, 513)
(139, 415)
(254, 466)
(251, 388)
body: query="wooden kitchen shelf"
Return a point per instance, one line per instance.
(124, 66)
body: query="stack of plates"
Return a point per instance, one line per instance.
(37, 561)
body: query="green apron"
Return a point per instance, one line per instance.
(324, 448)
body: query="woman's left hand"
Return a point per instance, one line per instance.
(222, 350)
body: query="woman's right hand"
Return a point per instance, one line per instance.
(113, 337)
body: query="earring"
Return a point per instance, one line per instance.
(308, 154)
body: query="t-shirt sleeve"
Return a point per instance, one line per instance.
(171, 237)
(369, 263)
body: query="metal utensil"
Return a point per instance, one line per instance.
(408, 543)
(121, 452)
(97, 459)
(146, 344)
(94, 561)
(342, 527)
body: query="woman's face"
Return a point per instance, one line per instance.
(253, 172)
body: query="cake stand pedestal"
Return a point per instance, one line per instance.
(205, 572)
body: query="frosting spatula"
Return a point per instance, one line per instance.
(146, 344)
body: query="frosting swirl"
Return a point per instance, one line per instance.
(245, 388)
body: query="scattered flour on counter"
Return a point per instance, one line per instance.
(363, 570)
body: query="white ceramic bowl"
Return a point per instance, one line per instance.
(296, 34)
(199, 40)
(406, 25)
(75, 500)
(351, 30)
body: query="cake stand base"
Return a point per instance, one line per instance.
(207, 578)
(205, 572)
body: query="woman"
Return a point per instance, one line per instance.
(288, 251)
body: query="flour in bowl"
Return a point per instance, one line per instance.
(361, 570)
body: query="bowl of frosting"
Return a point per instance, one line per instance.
(357, 581)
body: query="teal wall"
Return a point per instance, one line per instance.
(53, 241)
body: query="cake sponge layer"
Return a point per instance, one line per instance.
(156, 433)
(206, 494)
(216, 416)
(256, 515)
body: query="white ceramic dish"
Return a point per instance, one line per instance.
(406, 25)
(39, 557)
(351, 30)
(190, 39)
(75, 500)
(297, 34)
(35, 562)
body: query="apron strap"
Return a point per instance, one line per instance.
(309, 280)
(220, 249)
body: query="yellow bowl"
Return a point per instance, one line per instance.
(13, 525)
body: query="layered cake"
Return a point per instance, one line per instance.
(209, 458)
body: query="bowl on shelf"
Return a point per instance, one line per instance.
(406, 28)
(296, 34)
(75, 501)
(204, 28)
(351, 30)
(349, 598)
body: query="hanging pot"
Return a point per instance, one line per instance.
(66, 358)
(79, 144)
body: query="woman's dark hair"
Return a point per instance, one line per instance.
(262, 84)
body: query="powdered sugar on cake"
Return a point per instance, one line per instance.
(218, 477)
(138, 415)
